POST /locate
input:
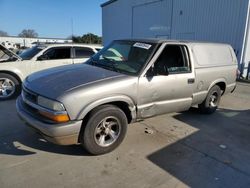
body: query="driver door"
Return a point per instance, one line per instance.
(169, 86)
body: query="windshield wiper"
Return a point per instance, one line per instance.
(110, 66)
(112, 63)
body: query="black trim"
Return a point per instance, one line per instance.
(108, 2)
(234, 89)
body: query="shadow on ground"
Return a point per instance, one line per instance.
(218, 155)
(17, 139)
(26, 142)
(29, 142)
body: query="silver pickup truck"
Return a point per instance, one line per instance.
(129, 80)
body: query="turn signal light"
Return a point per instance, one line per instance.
(60, 118)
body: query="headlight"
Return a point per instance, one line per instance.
(56, 110)
(50, 104)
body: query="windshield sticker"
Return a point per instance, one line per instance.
(142, 45)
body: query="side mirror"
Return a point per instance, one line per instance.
(42, 57)
(150, 72)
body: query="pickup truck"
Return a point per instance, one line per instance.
(92, 103)
(14, 68)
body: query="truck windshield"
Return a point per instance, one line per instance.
(127, 57)
(31, 52)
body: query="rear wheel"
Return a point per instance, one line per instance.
(105, 130)
(9, 86)
(211, 103)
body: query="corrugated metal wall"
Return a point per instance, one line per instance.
(146, 22)
(210, 20)
(206, 20)
(246, 55)
(117, 20)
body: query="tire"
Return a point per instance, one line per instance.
(211, 103)
(10, 87)
(105, 130)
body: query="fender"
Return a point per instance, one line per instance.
(109, 99)
(217, 81)
(14, 71)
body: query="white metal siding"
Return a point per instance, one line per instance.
(116, 20)
(147, 22)
(246, 55)
(210, 20)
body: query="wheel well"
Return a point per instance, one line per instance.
(12, 74)
(222, 86)
(120, 104)
(124, 107)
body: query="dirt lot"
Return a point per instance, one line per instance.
(185, 150)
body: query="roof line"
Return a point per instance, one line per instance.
(108, 2)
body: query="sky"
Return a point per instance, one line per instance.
(51, 18)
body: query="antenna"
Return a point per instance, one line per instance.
(72, 29)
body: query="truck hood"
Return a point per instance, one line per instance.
(12, 56)
(54, 82)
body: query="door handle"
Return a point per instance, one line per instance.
(191, 80)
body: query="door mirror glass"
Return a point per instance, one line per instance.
(150, 72)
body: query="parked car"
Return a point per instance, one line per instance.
(14, 68)
(92, 103)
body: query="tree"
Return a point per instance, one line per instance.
(3, 33)
(88, 38)
(28, 33)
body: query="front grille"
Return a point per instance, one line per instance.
(30, 108)
(29, 98)
(27, 95)
(30, 104)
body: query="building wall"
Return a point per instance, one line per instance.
(246, 54)
(205, 20)
(213, 20)
(116, 21)
(146, 22)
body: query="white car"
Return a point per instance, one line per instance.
(14, 68)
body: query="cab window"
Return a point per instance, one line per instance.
(173, 60)
(58, 53)
(81, 52)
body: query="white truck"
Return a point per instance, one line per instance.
(14, 68)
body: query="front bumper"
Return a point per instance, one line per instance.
(62, 134)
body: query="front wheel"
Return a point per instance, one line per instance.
(211, 103)
(9, 86)
(105, 130)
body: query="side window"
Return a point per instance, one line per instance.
(173, 60)
(81, 52)
(58, 53)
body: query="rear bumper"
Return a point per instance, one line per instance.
(62, 134)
